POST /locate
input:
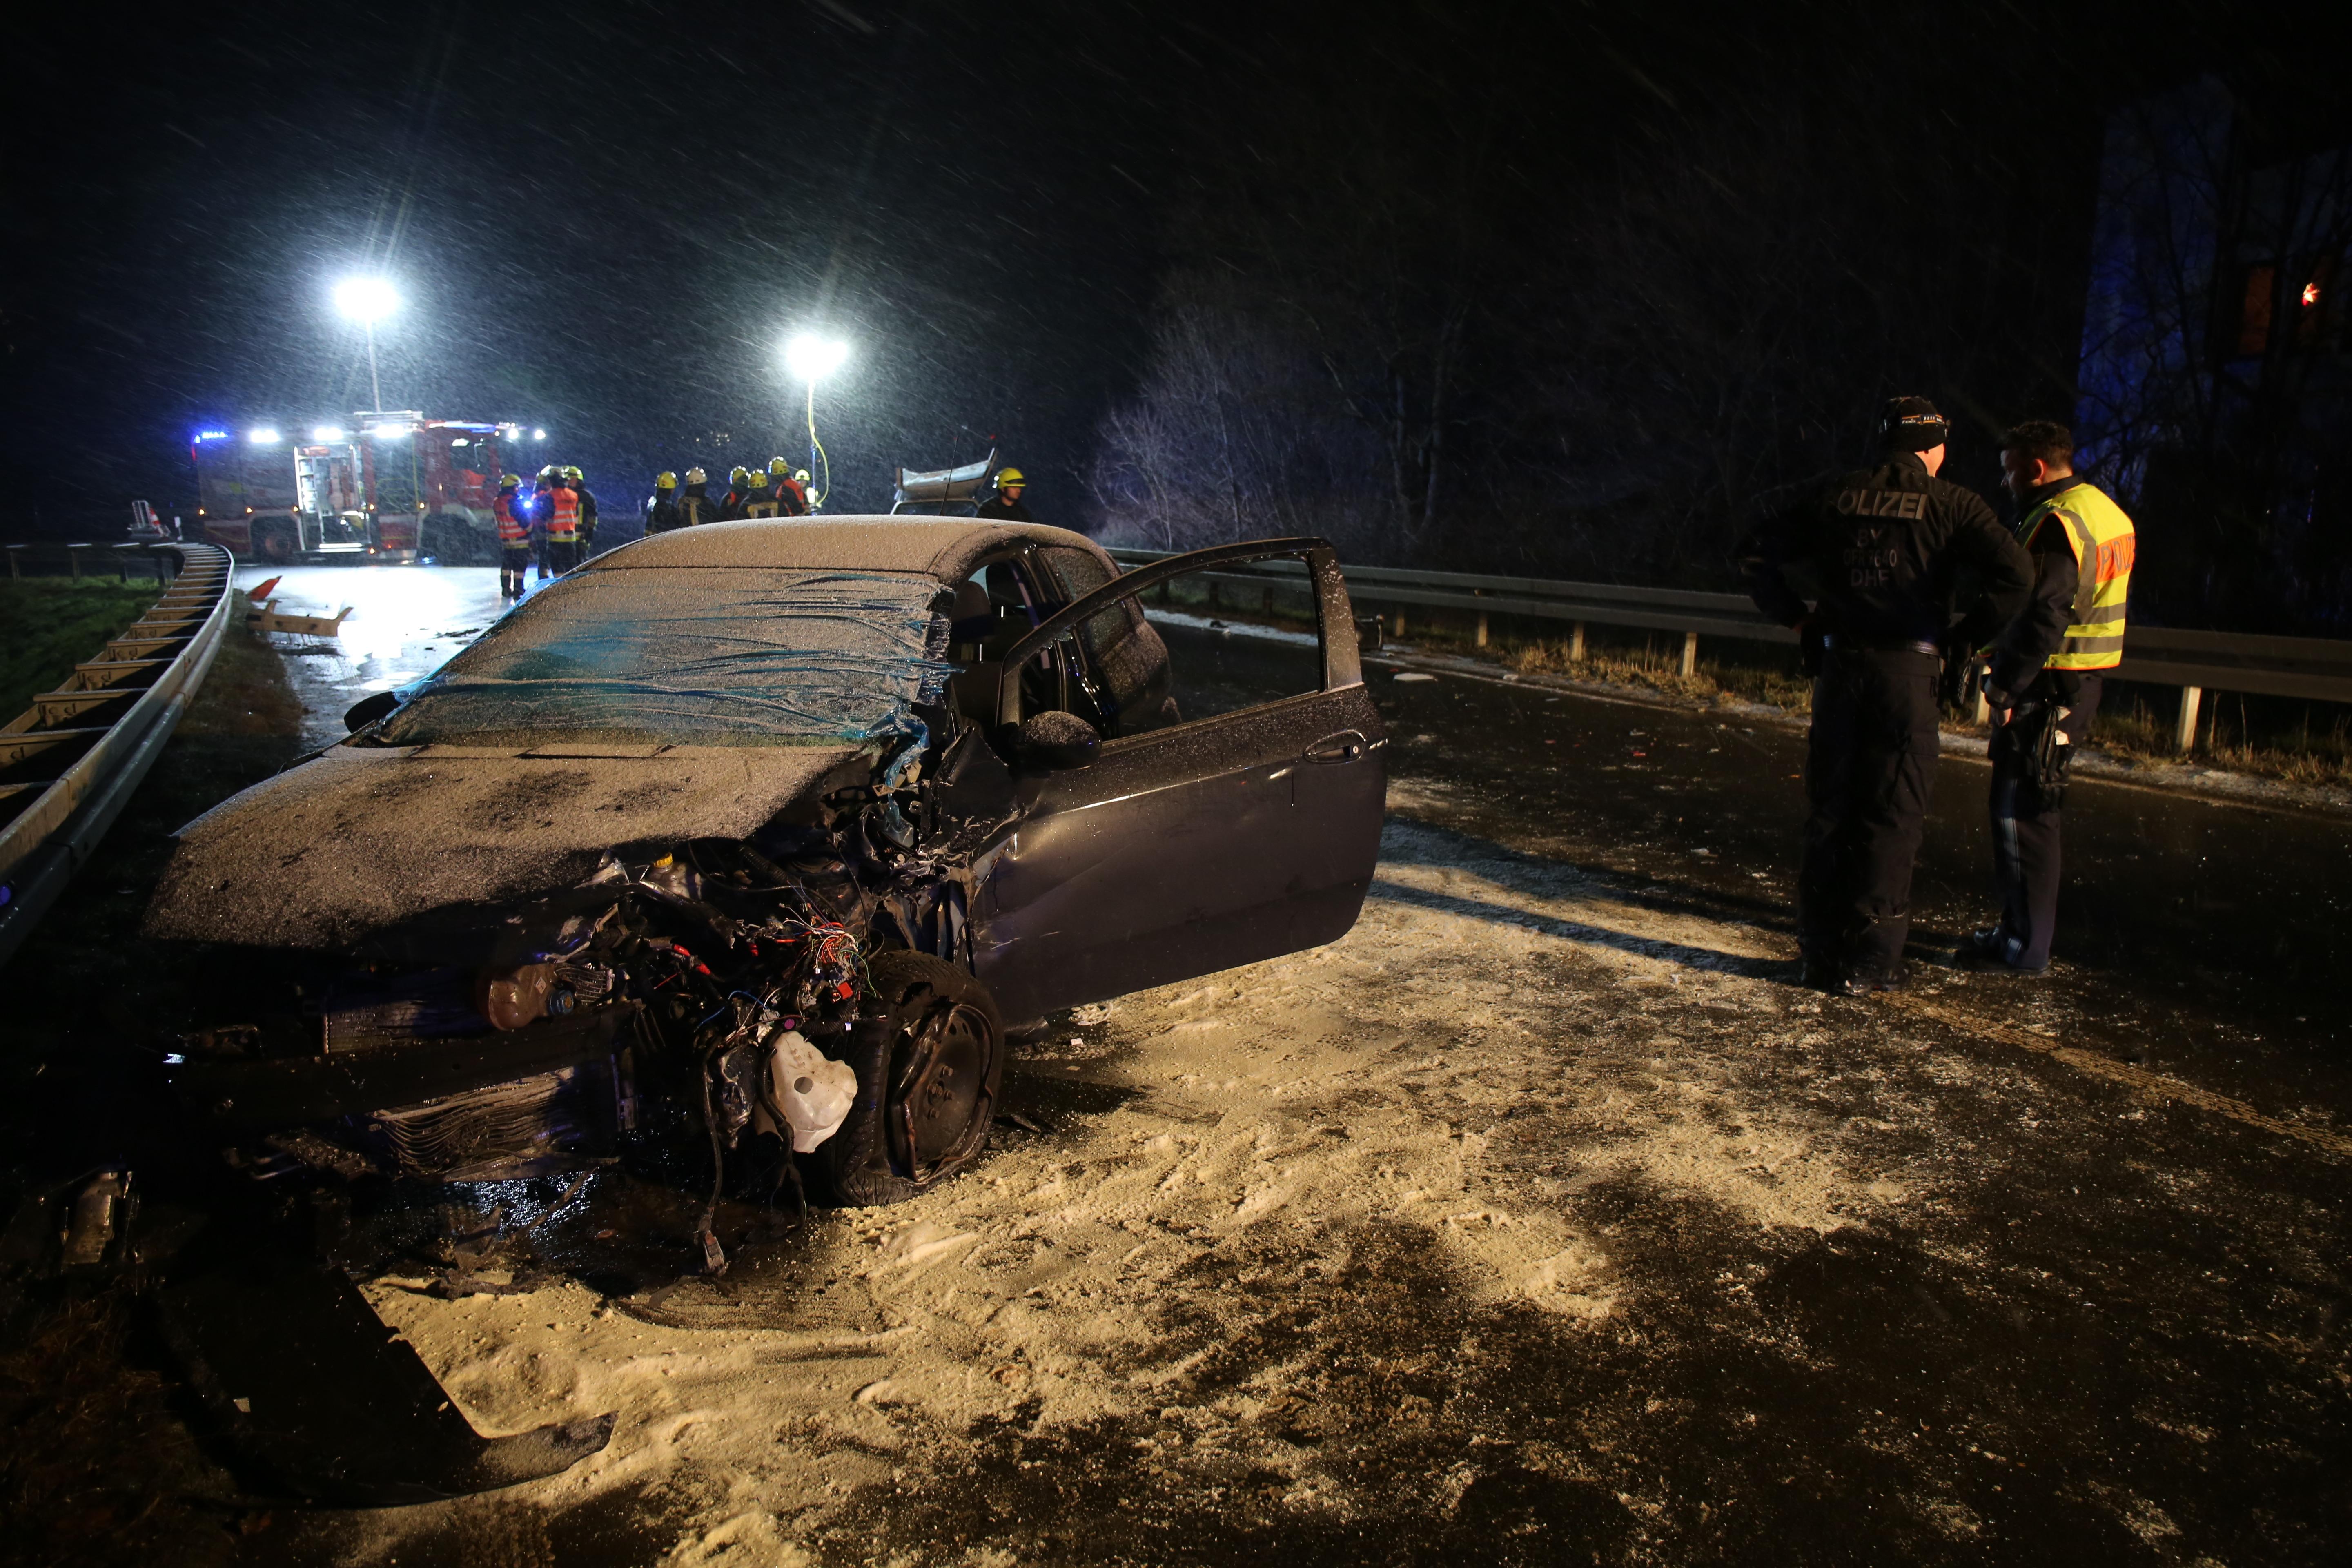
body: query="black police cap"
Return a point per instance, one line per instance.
(1912, 425)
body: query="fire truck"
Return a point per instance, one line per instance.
(387, 487)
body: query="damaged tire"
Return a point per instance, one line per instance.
(926, 1084)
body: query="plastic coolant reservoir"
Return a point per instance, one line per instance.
(813, 1090)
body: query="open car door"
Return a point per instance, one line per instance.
(1234, 810)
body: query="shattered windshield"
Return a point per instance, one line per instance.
(692, 656)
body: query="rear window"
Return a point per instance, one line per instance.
(740, 656)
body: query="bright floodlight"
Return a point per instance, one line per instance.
(327, 433)
(263, 436)
(538, 435)
(366, 299)
(813, 358)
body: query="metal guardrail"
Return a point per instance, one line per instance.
(155, 558)
(2316, 669)
(71, 763)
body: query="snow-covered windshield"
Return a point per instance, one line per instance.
(694, 656)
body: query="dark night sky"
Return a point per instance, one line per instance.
(605, 219)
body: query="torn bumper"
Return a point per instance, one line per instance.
(239, 1097)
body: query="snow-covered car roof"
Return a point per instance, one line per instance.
(818, 640)
(946, 548)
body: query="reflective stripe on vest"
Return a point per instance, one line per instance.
(692, 511)
(562, 514)
(2104, 544)
(763, 507)
(512, 529)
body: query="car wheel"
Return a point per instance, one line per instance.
(927, 1090)
(274, 545)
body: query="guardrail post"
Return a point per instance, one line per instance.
(1482, 629)
(1984, 706)
(1690, 654)
(1576, 643)
(15, 553)
(2184, 728)
(1400, 624)
(73, 554)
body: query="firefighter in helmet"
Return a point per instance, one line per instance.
(694, 504)
(562, 514)
(1005, 506)
(791, 488)
(759, 500)
(587, 513)
(514, 536)
(739, 489)
(661, 509)
(542, 484)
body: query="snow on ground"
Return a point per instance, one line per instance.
(1262, 1133)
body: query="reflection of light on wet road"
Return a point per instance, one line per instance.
(406, 622)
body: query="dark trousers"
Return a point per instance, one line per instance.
(1870, 773)
(2025, 861)
(558, 556)
(514, 567)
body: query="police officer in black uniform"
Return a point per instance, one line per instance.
(1886, 550)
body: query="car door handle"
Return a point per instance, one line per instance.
(1346, 746)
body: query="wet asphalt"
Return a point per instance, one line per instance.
(2135, 1312)
(405, 621)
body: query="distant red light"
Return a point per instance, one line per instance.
(2311, 294)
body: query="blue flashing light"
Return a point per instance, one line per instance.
(212, 435)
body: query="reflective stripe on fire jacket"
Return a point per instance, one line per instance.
(562, 515)
(2103, 543)
(513, 532)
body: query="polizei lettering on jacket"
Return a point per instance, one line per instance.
(1883, 503)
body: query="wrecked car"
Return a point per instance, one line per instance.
(745, 847)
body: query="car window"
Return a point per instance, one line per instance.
(1122, 679)
(1234, 639)
(1200, 644)
(745, 656)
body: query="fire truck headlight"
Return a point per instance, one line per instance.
(263, 436)
(327, 433)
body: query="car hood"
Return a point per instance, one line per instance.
(359, 839)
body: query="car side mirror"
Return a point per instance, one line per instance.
(1059, 742)
(368, 709)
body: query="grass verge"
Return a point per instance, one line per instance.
(50, 625)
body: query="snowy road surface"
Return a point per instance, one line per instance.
(1539, 1219)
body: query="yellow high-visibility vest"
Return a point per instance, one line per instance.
(2101, 536)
